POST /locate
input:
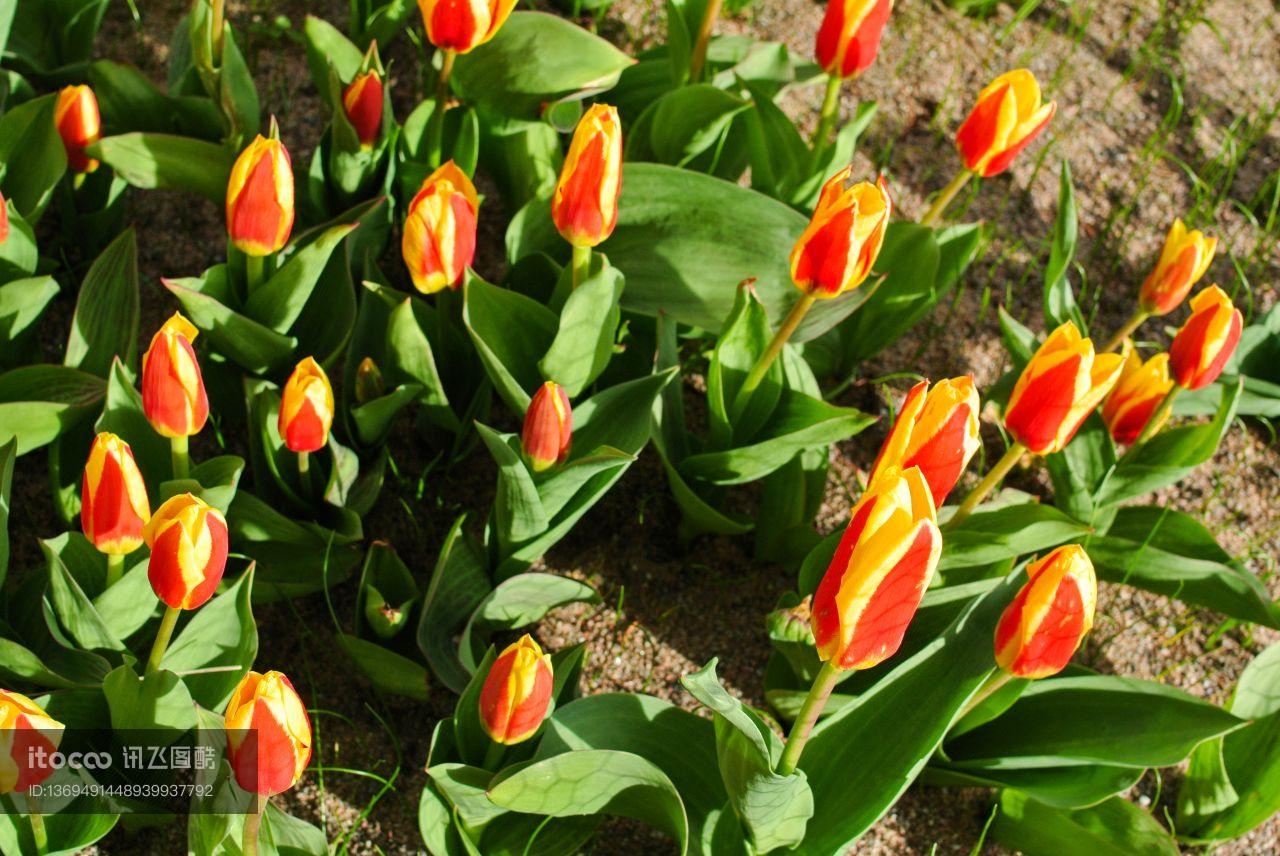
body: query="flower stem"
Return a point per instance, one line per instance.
(993, 682)
(436, 126)
(699, 57)
(181, 458)
(38, 832)
(944, 197)
(826, 121)
(304, 463)
(252, 823)
(1158, 418)
(163, 635)
(219, 15)
(115, 568)
(581, 265)
(255, 268)
(993, 478)
(789, 324)
(493, 756)
(814, 702)
(1134, 322)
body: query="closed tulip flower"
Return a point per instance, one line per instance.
(173, 395)
(1058, 389)
(1183, 260)
(585, 204)
(462, 25)
(79, 124)
(837, 250)
(1044, 625)
(4, 219)
(28, 736)
(548, 427)
(188, 541)
(268, 734)
(879, 573)
(849, 37)
(363, 101)
(516, 693)
(306, 408)
(1205, 343)
(440, 230)
(260, 206)
(1136, 396)
(936, 431)
(1008, 115)
(113, 497)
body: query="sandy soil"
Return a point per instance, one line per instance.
(666, 611)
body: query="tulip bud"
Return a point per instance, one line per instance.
(849, 37)
(188, 541)
(1061, 385)
(461, 25)
(879, 573)
(4, 219)
(1137, 396)
(79, 124)
(548, 427)
(792, 624)
(268, 734)
(937, 431)
(838, 248)
(440, 230)
(1006, 118)
(369, 383)
(585, 204)
(1202, 347)
(173, 396)
(260, 198)
(1183, 260)
(113, 497)
(306, 408)
(516, 693)
(1041, 629)
(31, 736)
(362, 101)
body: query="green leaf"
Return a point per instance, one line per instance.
(518, 602)
(157, 701)
(129, 101)
(1067, 787)
(518, 514)
(33, 156)
(511, 332)
(1081, 468)
(328, 48)
(75, 612)
(1007, 532)
(251, 345)
(458, 585)
(129, 604)
(38, 403)
(105, 324)
(596, 781)
(588, 326)
(19, 256)
(618, 417)
(1059, 301)
(8, 456)
(168, 162)
(1116, 827)
(216, 648)
(682, 124)
(742, 341)
(279, 301)
(70, 832)
(22, 302)
(387, 670)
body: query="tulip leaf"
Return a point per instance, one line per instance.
(1059, 301)
(1081, 468)
(1116, 827)
(618, 417)
(518, 602)
(216, 648)
(38, 403)
(584, 341)
(70, 831)
(154, 702)
(373, 419)
(168, 162)
(410, 354)
(1005, 533)
(123, 416)
(511, 332)
(1171, 553)
(130, 603)
(104, 327)
(459, 583)
(328, 48)
(279, 301)
(387, 670)
(246, 342)
(324, 325)
(8, 455)
(741, 343)
(518, 514)
(596, 781)
(22, 302)
(19, 256)
(129, 101)
(293, 558)
(32, 154)
(682, 124)
(1063, 787)
(75, 612)
(214, 480)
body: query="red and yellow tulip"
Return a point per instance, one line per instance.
(27, 734)
(516, 693)
(936, 431)
(849, 37)
(1060, 386)
(188, 541)
(548, 427)
(79, 124)
(1043, 626)
(306, 408)
(113, 497)
(879, 573)
(837, 250)
(440, 230)
(362, 101)
(173, 395)
(1202, 347)
(585, 204)
(462, 25)
(1136, 396)
(4, 219)
(1008, 115)
(268, 734)
(1183, 260)
(260, 198)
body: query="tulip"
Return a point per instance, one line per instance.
(548, 427)
(369, 382)
(268, 734)
(1041, 629)
(1185, 258)
(462, 25)
(849, 37)
(28, 736)
(306, 408)
(440, 230)
(1007, 116)
(1136, 396)
(362, 101)
(188, 541)
(173, 396)
(4, 219)
(260, 201)
(79, 125)
(585, 204)
(836, 251)
(113, 501)
(1200, 350)
(936, 431)
(516, 693)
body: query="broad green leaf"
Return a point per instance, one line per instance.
(518, 514)
(75, 612)
(1081, 468)
(168, 162)
(518, 602)
(129, 604)
(742, 341)
(8, 455)
(1007, 532)
(251, 345)
(105, 325)
(588, 327)
(22, 302)
(33, 156)
(216, 648)
(19, 256)
(130, 102)
(279, 301)
(1059, 301)
(386, 669)
(37, 403)
(1064, 787)
(511, 332)
(69, 832)
(683, 124)
(158, 701)
(1116, 827)
(458, 585)
(328, 48)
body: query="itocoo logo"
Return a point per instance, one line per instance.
(40, 758)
